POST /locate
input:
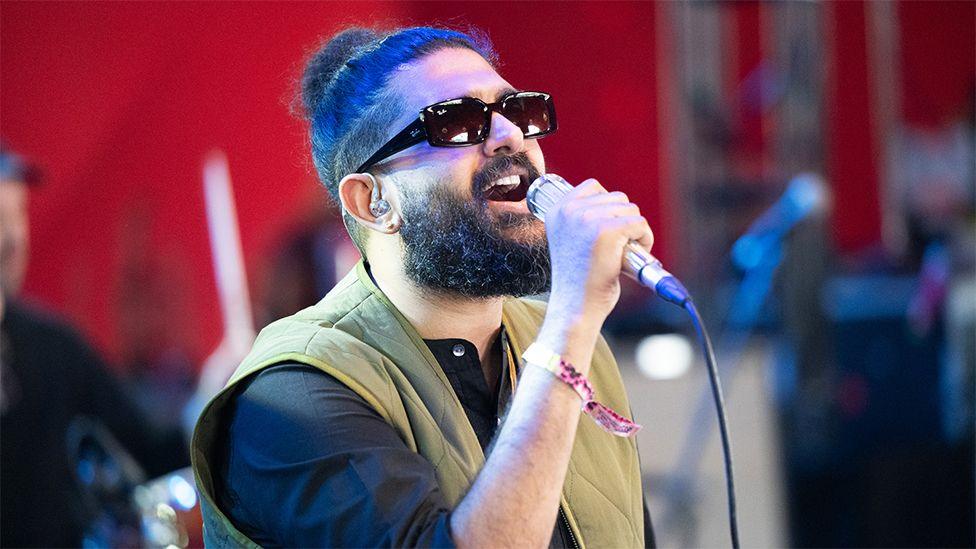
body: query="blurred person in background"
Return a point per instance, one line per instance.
(50, 379)
(386, 414)
(308, 260)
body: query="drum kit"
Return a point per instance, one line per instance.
(123, 509)
(169, 507)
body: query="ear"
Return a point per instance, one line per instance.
(356, 192)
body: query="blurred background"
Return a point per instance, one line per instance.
(807, 167)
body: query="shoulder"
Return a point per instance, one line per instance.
(40, 323)
(43, 339)
(338, 352)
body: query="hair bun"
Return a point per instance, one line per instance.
(323, 65)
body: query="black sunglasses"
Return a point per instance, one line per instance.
(467, 121)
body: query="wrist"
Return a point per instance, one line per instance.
(570, 336)
(577, 309)
(537, 355)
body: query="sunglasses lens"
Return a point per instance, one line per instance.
(530, 112)
(457, 122)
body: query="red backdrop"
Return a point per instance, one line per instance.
(119, 102)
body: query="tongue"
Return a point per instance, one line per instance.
(498, 194)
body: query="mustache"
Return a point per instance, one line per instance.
(498, 166)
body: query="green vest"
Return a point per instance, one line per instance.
(356, 335)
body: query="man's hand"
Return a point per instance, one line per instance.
(587, 233)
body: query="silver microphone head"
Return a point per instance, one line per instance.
(638, 263)
(544, 192)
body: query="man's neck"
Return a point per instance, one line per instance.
(440, 316)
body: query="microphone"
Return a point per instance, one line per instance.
(806, 195)
(548, 189)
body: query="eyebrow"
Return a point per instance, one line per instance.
(505, 91)
(483, 92)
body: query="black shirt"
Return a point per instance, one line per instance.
(322, 467)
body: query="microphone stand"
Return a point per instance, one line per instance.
(759, 254)
(743, 313)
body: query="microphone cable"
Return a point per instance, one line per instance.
(709, 352)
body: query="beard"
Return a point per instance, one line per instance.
(453, 245)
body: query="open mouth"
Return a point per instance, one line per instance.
(511, 188)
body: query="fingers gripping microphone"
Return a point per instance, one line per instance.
(548, 189)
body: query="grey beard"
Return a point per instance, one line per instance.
(451, 245)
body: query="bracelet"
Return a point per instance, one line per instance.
(605, 418)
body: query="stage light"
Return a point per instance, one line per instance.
(664, 356)
(183, 493)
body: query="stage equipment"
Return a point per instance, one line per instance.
(170, 511)
(758, 253)
(805, 195)
(106, 474)
(123, 509)
(639, 264)
(231, 279)
(228, 262)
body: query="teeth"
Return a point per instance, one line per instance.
(510, 181)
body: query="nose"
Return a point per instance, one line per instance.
(504, 137)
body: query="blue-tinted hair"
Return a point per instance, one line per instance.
(345, 96)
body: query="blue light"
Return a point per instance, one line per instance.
(183, 492)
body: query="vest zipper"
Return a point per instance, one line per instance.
(569, 530)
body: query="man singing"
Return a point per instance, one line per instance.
(423, 401)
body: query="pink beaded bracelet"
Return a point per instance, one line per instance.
(605, 418)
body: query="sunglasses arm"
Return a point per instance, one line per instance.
(410, 136)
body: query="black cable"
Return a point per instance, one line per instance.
(706, 344)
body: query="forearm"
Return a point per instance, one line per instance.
(515, 499)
